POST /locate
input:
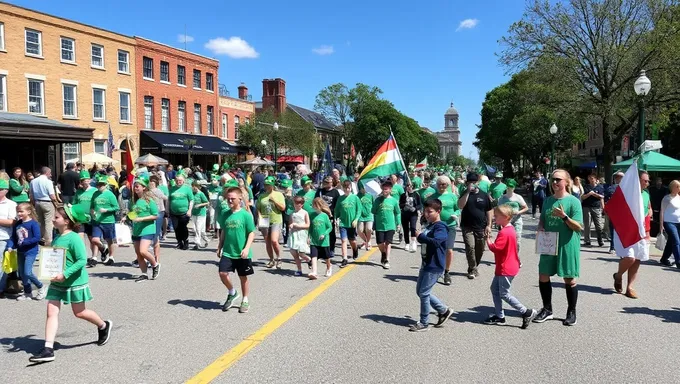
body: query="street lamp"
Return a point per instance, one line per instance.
(276, 129)
(642, 87)
(553, 132)
(342, 141)
(190, 144)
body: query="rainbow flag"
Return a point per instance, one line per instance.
(387, 161)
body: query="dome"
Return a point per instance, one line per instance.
(451, 110)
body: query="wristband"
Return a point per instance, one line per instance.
(565, 218)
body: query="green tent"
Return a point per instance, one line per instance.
(653, 162)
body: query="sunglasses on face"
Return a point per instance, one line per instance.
(556, 180)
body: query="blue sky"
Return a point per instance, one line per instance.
(418, 53)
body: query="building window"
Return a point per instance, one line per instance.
(33, 42)
(70, 104)
(181, 75)
(97, 56)
(209, 82)
(181, 116)
(197, 79)
(165, 71)
(123, 61)
(71, 151)
(68, 50)
(124, 98)
(209, 120)
(148, 112)
(225, 133)
(2, 37)
(148, 68)
(237, 121)
(36, 96)
(197, 118)
(98, 104)
(3, 93)
(100, 146)
(165, 114)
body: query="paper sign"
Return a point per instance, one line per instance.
(263, 222)
(52, 261)
(547, 243)
(132, 215)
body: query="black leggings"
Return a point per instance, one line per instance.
(180, 223)
(331, 237)
(408, 224)
(536, 202)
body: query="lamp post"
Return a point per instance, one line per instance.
(276, 129)
(642, 87)
(342, 141)
(553, 132)
(190, 144)
(264, 144)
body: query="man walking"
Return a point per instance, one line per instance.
(68, 184)
(592, 202)
(539, 185)
(475, 223)
(45, 200)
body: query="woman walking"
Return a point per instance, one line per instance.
(410, 205)
(270, 206)
(144, 213)
(181, 204)
(670, 217)
(519, 207)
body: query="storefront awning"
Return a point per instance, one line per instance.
(166, 142)
(21, 126)
(288, 159)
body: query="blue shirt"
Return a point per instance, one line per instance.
(433, 238)
(539, 185)
(609, 191)
(592, 201)
(42, 188)
(25, 237)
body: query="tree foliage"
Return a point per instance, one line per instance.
(294, 134)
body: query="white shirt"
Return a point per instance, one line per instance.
(42, 188)
(671, 209)
(8, 210)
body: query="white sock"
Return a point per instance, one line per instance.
(49, 344)
(232, 291)
(102, 326)
(245, 299)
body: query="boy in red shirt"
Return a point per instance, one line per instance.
(507, 267)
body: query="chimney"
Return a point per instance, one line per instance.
(242, 92)
(274, 95)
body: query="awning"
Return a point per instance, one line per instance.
(288, 158)
(167, 142)
(21, 126)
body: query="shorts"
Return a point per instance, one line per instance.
(159, 227)
(648, 223)
(243, 267)
(143, 237)
(86, 229)
(104, 231)
(348, 234)
(384, 236)
(451, 238)
(320, 252)
(272, 228)
(364, 226)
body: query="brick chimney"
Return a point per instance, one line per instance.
(242, 92)
(274, 95)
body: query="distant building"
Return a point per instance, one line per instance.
(449, 138)
(234, 112)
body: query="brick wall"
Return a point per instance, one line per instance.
(230, 108)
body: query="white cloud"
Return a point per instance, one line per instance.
(184, 38)
(324, 50)
(234, 47)
(467, 24)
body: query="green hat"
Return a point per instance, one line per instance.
(270, 180)
(173, 183)
(225, 166)
(214, 177)
(511, 183)
(4, 184)
(499, 175)
(305, 180)
(142, 181)
(84, 174)
(287, 183)
(77, 214)
(233, 183)
(216, 167)
(343, 179)
(102, 179)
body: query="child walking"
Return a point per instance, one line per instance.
(298, 240)
(70, 287)
(319, 231)
(507, 267)
(199, 217)
(347, 211)
(144, 229)
(25, 238)
(387, 215)
(433, 251)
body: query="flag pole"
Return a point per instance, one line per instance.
(407, 179)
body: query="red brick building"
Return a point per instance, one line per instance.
(234, 112)
(178, 104)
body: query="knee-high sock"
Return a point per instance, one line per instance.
(546, 294)
(572, 296)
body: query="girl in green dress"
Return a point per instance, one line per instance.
(71, 286)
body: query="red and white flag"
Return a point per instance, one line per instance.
(422, 165)
(626, 214)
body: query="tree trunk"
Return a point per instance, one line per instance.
(606, 149)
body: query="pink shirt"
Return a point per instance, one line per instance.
(505, 252)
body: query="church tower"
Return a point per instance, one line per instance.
(449, 139)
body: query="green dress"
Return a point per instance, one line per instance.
(567, 262)
(75, 287)
(18, 193)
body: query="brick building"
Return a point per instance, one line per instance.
(233, 112)
(57, 70)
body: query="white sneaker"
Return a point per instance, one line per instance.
(42, 292)
(329, 272)
(24, 297)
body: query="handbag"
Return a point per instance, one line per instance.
(660, 241)
(10, 263)
(123, 234)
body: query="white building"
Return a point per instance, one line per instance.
(449, 138)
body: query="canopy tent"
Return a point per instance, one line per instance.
(257, 162)
(98, 158)
(150, 159)
(653, 162)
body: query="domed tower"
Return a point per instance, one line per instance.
(449, 139)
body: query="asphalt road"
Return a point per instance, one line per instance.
(355, 330)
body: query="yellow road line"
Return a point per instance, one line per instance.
(225, 361)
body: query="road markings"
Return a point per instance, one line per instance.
(225, 361)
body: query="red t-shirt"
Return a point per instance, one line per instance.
(505, 252)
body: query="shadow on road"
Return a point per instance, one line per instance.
(113, 275)
(368, 263)
(392, 320)
(474, 315)
(205, 262)
(666, 315)
(30, 344)
(616, 259)
(198, 304)
(398, 278)
(589, 288)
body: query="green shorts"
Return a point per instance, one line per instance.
(562, 266)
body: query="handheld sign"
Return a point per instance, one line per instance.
(547, 243)
(52, 261)
(132, 215)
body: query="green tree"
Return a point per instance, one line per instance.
(334, 103)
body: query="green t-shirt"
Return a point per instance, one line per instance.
(309, 197)
(497, 190)
(387, 213)
(461, 189)
(199, 198)
(347, 209)
(164, 189)
(104, 200)
(397, 191)
(569, 242)
(221, 210)
(449, 207)
(484, 185)
(18, 193)
(180, 198)
(75, 273)
(417, 182)
(320, 225)
(236, 227)
(645, 202)
(214, 191)
(267, 208)
(516, 202)
(425, 193)
(290, 206)
(366, 207)
(83, 198)
(143, 208)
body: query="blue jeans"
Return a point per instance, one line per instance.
(26, 272)
(673, 235)
(3, 275)
(500, 291)
(426, 281)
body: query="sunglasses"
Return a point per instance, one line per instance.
(556, 180)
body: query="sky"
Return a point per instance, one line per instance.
(423, 55)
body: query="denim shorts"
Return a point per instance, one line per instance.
(143, 237)
(348, 233)
(451, 238)
(104, 231)
(86, 229)
(159, 224)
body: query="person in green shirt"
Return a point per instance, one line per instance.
(365, 226)
(71, 286)
(417, 180)
(143, 214)
(319, 229)
(497, 188)
(519, 207)
(387, 215)
(450, 215)
(270, 206)
(181, 204)
(104, 206)
(18, 187)
(199, 218)
(347, 212)
(307, 192)
(214, 192)
(287, 191)
(83, 198)
(426, 190)
(561, 214)
(234, 247)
